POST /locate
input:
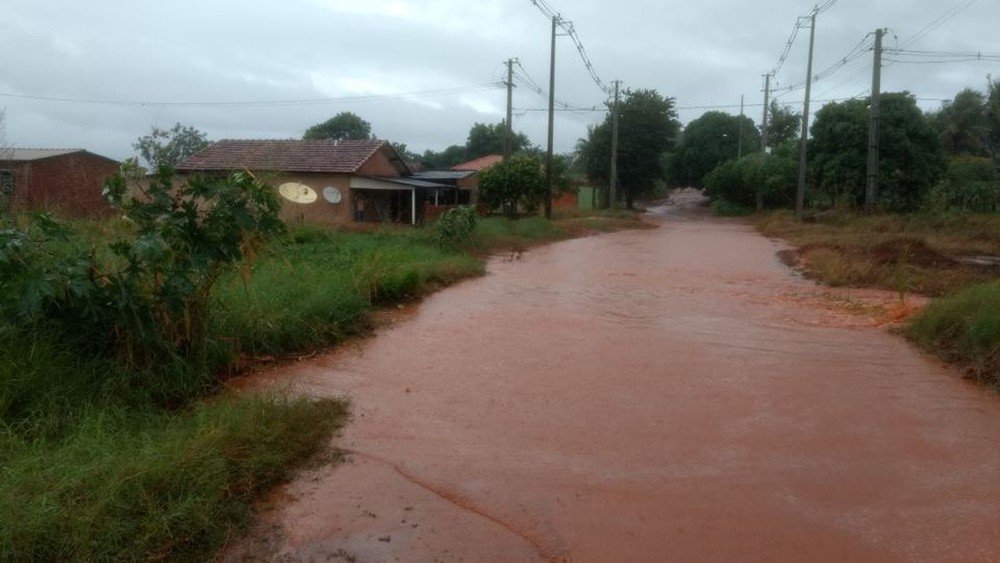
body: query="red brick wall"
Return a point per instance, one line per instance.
(380, 166)
(68, 185)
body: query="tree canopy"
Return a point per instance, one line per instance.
(168, 147)
(709, 141)
(487, 139)
(647, 129)
(910, 152)
(345, 125)
(783, 125)
(964, 124)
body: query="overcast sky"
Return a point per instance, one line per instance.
(706, 52)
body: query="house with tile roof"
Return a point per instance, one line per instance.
(67, 182)
(327, 181)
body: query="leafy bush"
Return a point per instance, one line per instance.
(513, 183)
(145, 299)
(726, 208)
(738, 181)
(456, 227)
(970, 184)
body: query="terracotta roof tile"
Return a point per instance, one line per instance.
(345, 156)
(479, 164)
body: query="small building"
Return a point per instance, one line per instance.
(67, 182)
(326, 181)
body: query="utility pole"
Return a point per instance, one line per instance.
(613, 192)
(508, 140)
(800, 194)
(874, 121)
(739, 135)
(763, 134)
(549, 163)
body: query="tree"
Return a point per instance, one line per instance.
(405, 153)
(910, 154)
(647, 128)
(488, 139)
(345, 125)
(709, 141)
(964, 124)
(445, 159)
(163, 147)
(783, 125)
(516, 182)
(993, 116)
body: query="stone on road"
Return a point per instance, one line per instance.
(660, 395)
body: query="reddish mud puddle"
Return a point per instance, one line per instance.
(657, 395)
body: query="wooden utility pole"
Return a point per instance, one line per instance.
(549, 162)
(763, 134)
(508, 140)
(739, 135)
(874, 121)
(800, 193)
(613, 191)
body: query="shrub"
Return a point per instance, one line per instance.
(738, 181)
(456, 227)
(970, 184)
(144, 299)
(513, 183)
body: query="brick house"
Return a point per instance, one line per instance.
(325, 181)
(65, 181)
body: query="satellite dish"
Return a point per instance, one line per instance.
(332, 195)
(297, 193)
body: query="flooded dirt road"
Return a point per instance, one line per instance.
(661, 395)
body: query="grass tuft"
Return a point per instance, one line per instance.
(964, 327)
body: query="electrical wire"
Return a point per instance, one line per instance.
(570, 30)
(944, 18)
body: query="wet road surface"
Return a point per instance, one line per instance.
(662, 395)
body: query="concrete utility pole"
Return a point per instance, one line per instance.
(763, 134)
(874, 121)
(800, 194)
(549, 163)
(739, 135)
(508, 140)
(613, 191)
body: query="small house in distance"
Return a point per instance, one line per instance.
(67, 182)
(326, 181)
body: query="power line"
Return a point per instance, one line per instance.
(948, 14)
(441, 92)
(570, 30)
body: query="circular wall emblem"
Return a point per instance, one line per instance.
(332, 195)
(297, 193)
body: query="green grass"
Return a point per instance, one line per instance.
(964, 327)
(317, 287)
(125, 484)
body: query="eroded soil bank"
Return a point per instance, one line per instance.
(669, 394)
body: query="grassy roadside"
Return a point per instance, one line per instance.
(900, 253)
(100, 461)
(912, 254)
(964, 327)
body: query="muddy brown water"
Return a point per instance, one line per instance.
(674, 394)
